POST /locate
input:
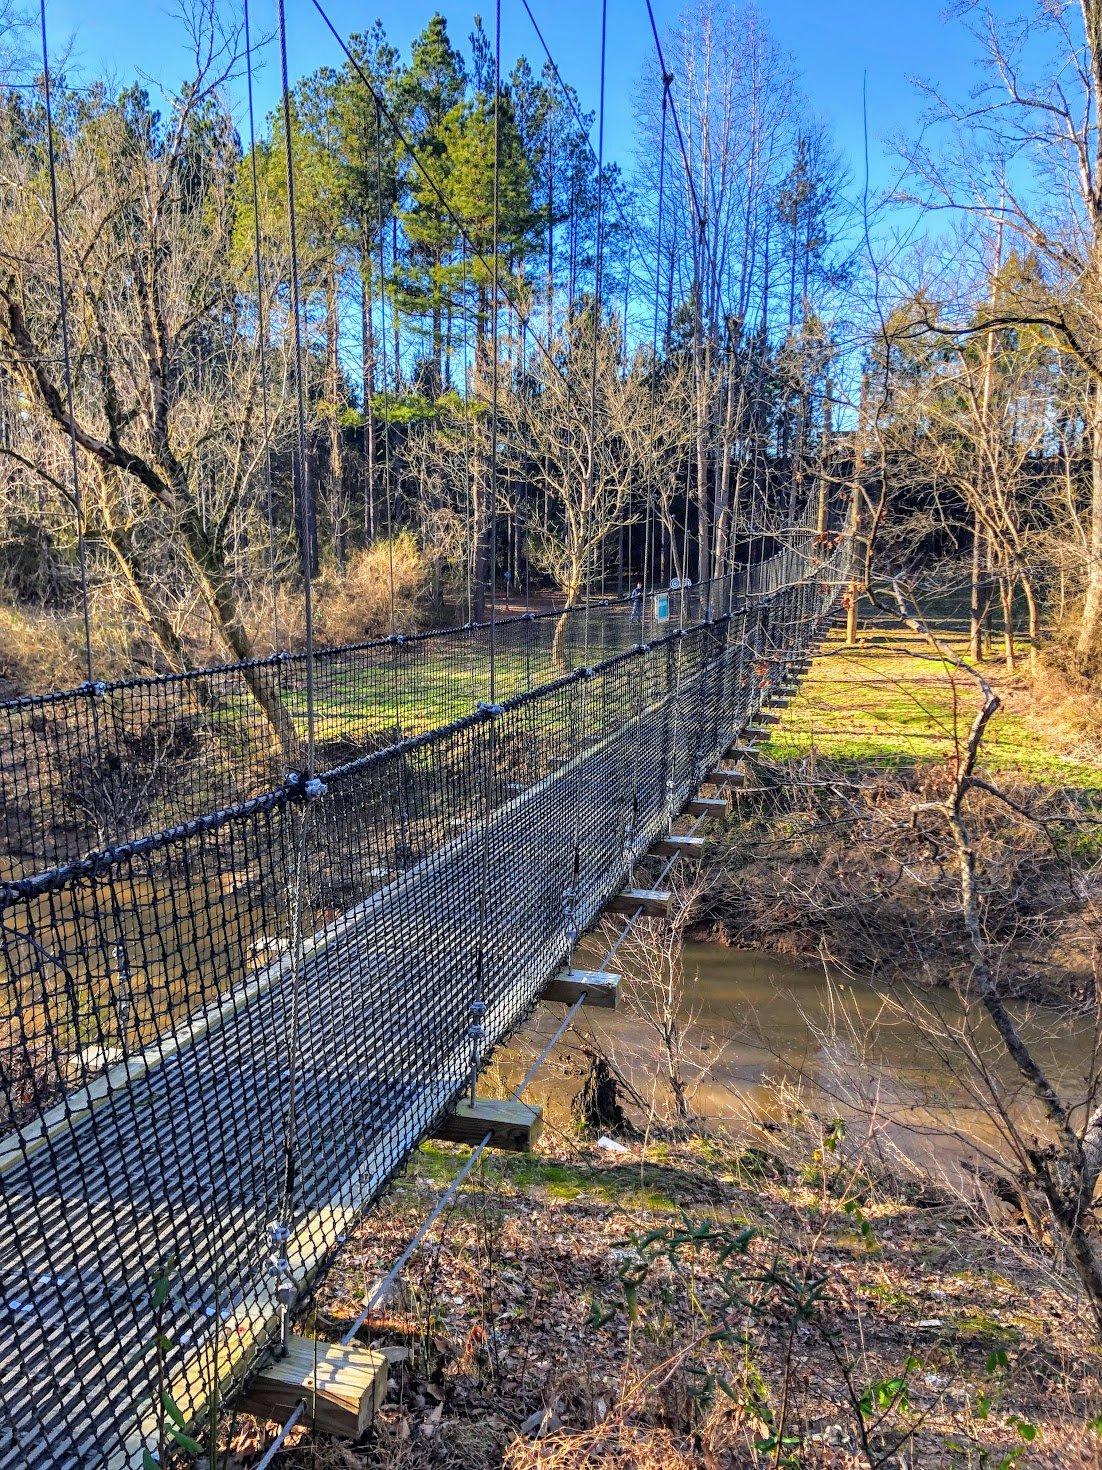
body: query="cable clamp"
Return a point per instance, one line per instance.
(475, 1030)
(303, 787)
(490, 711)
(398, 639)
(95, 687)
(588, 673)
(286, 1293)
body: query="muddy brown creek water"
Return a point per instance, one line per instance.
(760, 1029)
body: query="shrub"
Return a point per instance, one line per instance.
(356, 604)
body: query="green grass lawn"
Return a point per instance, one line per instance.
(892, 701)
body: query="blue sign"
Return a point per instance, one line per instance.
(662, 607)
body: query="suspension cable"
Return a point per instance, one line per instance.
(388, 484)
(66, 352)
(302, 450)
(623, 207)
(279, 1230)
(494, 364)
(262, 339)
(649, 517)
(598, 287)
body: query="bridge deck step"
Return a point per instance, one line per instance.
(343, 1386)
(739, 750)
(513, 1125)
(600, 987)
(676, 846)
(654, 901)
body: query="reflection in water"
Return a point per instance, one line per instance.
(912, 1059)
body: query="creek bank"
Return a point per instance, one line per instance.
(829, 863)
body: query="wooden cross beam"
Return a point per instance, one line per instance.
(653, 901)
(600, 987)
(513, 1126)
(675, 846)
(342, 1387)
(706, 806)
(725, 776)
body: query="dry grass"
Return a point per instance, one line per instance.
(357, 603)
(42, 650)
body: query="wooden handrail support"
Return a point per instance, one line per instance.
(342, 1387)
(600, 987)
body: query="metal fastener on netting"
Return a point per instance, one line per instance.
(286, 1292)
(476, 1035)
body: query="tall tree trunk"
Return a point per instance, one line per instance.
(367, 339)
(1006, 597)
(336, 433)
(214, 582)
(1033, 615)
(1090, 622)
(975, 611)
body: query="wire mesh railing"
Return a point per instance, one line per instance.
(106, 762)
(155, 1005)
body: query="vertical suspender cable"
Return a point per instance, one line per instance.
(494, 312)
(477, 1009)
(387, 479)
(262, 339)
(598, 285)
(649, 521)
(311, 787)
(66, 354)
(302, 452)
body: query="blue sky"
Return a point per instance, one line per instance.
(833, 45)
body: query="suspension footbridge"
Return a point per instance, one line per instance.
(258, 1010)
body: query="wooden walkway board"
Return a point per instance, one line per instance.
(343, 1387)
(513, 1125)
(600, 987)
(738, 750)
(679, 847)
(706, 806)
(654, 901)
